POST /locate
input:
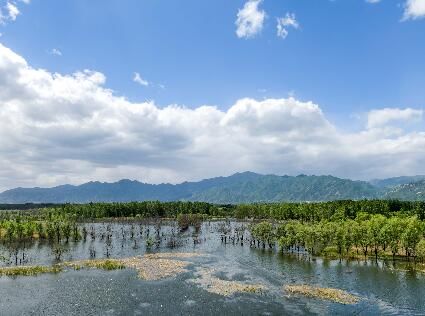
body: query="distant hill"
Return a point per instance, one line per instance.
(271, 188)
(393, 182)
(409, 192)
(121, 191)
(238, 188)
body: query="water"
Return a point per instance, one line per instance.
(94, 292)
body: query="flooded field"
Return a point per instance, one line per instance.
(153, 268)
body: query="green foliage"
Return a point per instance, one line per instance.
(331, 211)
(150, 242)
(28, 271)
(105, 264)
(311, 212)
(420, 249)
(373, 236)
(411, 236)
(140, 210)
(54, 227)
(263, 232)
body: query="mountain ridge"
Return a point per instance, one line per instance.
(244, 187)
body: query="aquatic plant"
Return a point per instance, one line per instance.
(58, 251)
(105, 264)
(29, 270)
(150, 266)
(150, 242)
(334, 295)
(206, 278)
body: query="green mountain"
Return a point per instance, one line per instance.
(238, 188)
(271, 188)
(408, 192)
(393, 182)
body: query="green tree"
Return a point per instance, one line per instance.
(411, 235)
(375, 225)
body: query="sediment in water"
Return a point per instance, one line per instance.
(334, 295)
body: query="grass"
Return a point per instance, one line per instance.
(29, 270)
(334, 295)
(151, 267)
(104, 264)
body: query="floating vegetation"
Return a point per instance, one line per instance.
(157, 266)
(105, 264)
(153, 269)
(209, 282)
(334, 295)
(150, 267)
(28, 270)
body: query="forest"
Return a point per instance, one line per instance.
(304, 211)
(338, 228)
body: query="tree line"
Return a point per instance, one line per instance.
(367, 234)
(56, 228)
(333, 210)
(304, 212)
(146, 209)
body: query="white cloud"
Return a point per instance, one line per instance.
(12, 10)
(414, 9)
(138, 79)
(250, 19)
(9, 13)
(383, 117)
(55, 52)
(58, 128)
(283, 23)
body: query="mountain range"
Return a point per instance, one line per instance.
(238, 188)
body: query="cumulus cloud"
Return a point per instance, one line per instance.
(284, 23)
(383, 117)
(414, 9)
(250, 19)
(137, 78)
(58, 128)
(373, 1)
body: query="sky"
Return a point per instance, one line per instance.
(169, 91)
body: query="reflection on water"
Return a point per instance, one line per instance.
(382, 289)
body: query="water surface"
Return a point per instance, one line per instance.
(382, 289)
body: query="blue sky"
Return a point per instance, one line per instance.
(347, 55)
(350, 57)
